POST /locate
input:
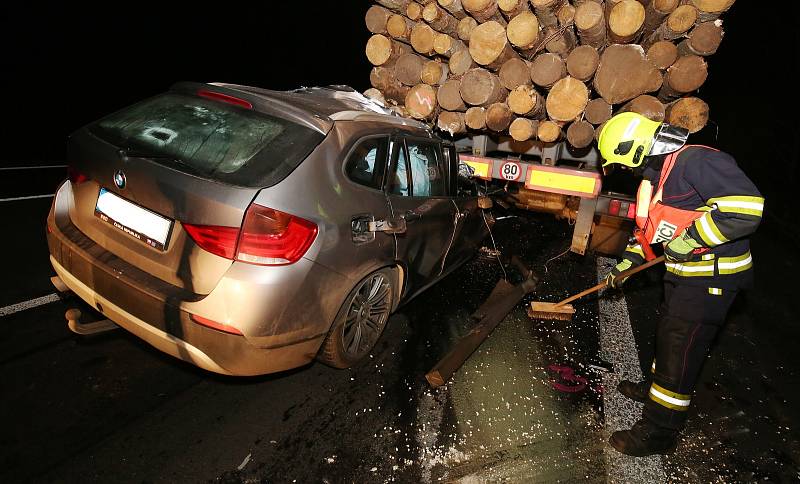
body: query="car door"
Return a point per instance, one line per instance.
(471, 228)
(416, 187)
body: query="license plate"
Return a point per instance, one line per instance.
(139, 223)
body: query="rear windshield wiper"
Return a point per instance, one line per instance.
(128, 153)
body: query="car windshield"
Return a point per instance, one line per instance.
(210, 138)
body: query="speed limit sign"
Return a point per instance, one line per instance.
(510, 170)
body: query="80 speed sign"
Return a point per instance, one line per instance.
(510, 170)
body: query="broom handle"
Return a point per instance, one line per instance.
(621, 275)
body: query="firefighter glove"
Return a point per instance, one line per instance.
(613, 280)
(681, 248)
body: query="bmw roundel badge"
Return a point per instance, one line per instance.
(119, 179)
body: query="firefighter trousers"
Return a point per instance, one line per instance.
(693, 315)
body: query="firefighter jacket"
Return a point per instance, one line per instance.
(710, 181)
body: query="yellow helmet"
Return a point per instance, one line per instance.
(627, 138)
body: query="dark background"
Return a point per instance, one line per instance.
(66, 65)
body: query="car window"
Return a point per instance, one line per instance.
(427, 175)
(209, 138)
(397, 181)
(367, 161)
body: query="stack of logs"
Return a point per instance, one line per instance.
(542, 69)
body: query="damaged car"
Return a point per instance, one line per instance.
(250, 231)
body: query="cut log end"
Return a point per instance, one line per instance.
(580, 134)
(689, 112)
(662, 54)
(523, 30)
(547, 69)
(646, 105)
(548, 131)
(475, 118)
(498, 117)
(452, 122)
(515, 72)
(567, 99)
(597, 111)
(582, 62)
(523, 129)
(421, 102)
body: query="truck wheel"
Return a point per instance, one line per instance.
(360, 322)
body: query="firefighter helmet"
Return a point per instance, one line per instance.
(628, 138)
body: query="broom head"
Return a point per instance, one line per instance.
(545, 310)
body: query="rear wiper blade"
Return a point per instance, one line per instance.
(123, 153)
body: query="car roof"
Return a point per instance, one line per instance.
(322, 105)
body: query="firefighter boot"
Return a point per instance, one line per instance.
(643, 439)
(634, 391)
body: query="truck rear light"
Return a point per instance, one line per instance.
(631, 211)
(214, 325)
(76, 177)
(220, 241)
(272, 237)
(613, 207)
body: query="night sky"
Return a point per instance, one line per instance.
(65, 65)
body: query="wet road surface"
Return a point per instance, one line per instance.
(527, 407)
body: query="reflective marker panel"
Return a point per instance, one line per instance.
(482, 166)
(563, 180)
(137, 222)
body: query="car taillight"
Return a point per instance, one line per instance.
(220, 241)
(632, 211)
(214, 325)
(76, 177)
(272, 237)
(267, 237)
(613, 207)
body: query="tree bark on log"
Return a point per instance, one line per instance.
(523, 31)
(582, 62)
(597, 111)
(480, 87)
(580, 134)
(676, 25)
(408, 69)
(439, 19)
(646, 105)
(628, 62)
(421, 102)
(449, 96)
(476, 117)
(422, 37)
(383, 51)
(709, 10)
(394, 5)
(453, 123)
(460, 63)
(446, 45)
(548, 131)
(525, 101)
(625, 22)
(547, 69)
(515, 72)
(383, 79)
(567, 99)
(484, 10)
(489, 45)
(434, 73)
(662, 54)
(590, 21)
(703, 40)
(546, 11)
(498, 117)
(375, 95)
(523, 129)
(400, 27)
(688, 112)
(686, 75)
(454, 7)
(376, 19)
(656, 12)
(512, 8)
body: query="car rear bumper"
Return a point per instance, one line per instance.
(283, 319)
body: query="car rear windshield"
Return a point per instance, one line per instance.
(210, 139)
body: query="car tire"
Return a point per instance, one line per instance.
(360, 322)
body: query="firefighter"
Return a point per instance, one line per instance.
(700, 207)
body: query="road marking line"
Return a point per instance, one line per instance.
(42, 167)
(618, 347)
(30, 197)
(31, 303)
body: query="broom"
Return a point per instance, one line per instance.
(563, 310)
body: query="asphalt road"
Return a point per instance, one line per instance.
(110, 408)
